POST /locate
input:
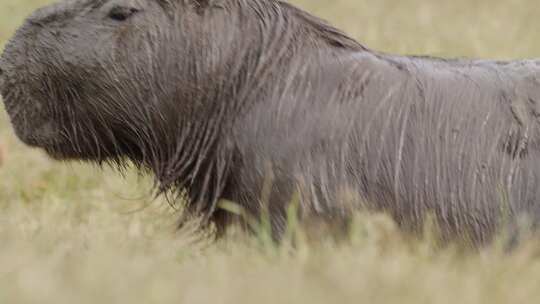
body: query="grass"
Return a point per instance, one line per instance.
(72, 233)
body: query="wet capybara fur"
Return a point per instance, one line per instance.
(259, 103)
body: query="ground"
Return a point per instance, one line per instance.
(74, 233)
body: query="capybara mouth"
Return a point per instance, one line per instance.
(31, 122)
(33, 128)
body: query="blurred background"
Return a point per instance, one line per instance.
(73, 233)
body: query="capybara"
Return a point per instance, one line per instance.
(259, 103)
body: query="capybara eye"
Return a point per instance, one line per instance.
(121, 13)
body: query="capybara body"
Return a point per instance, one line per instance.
(259, 103)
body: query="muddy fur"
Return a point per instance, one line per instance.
(262, 104)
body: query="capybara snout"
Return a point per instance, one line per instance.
(57, 66)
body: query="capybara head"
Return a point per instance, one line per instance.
(95, 79)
